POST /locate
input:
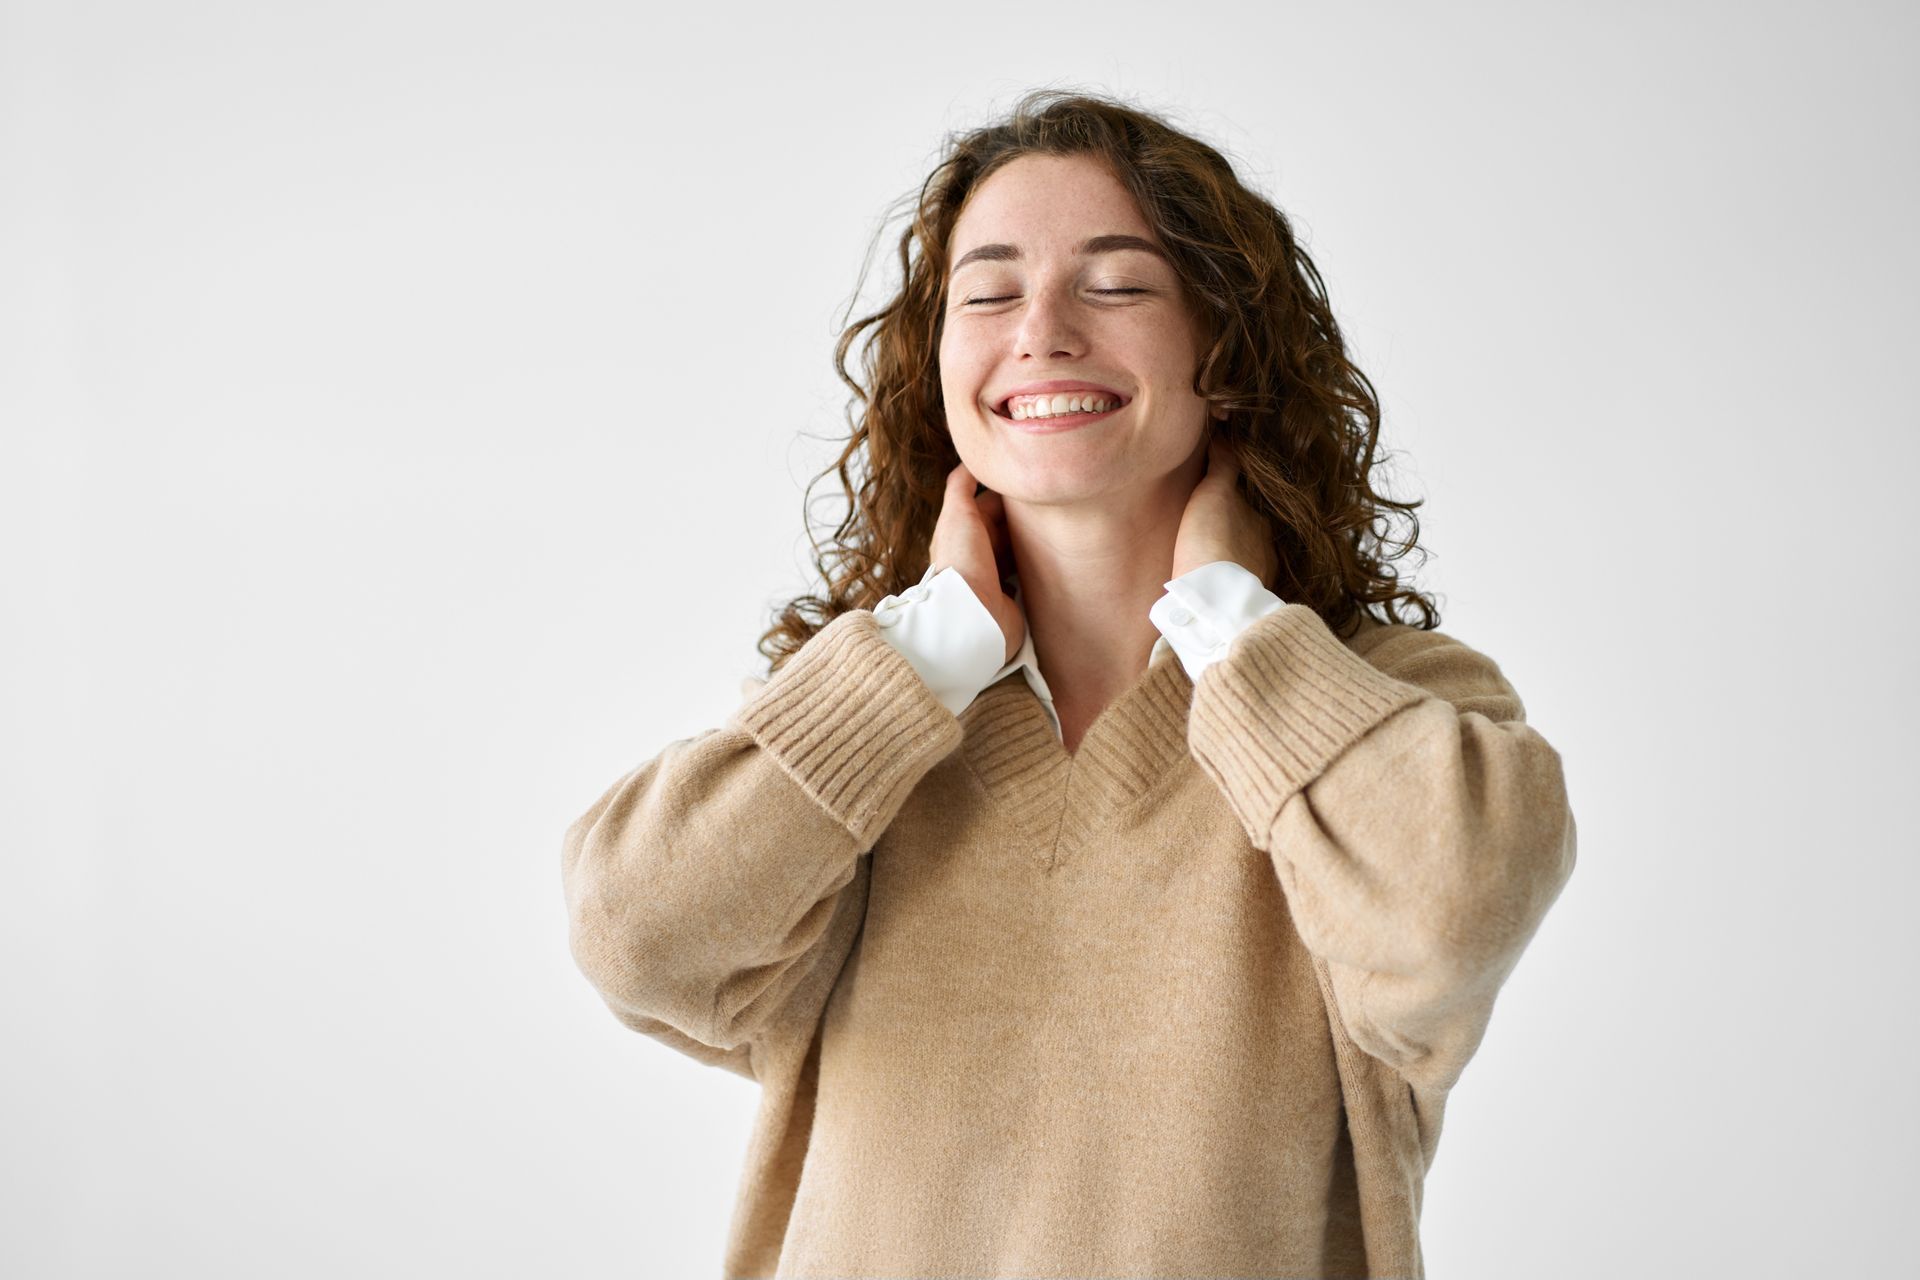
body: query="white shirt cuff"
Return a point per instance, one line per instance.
(1205, 608)
(941, 628)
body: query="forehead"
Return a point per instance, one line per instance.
(1047, 204)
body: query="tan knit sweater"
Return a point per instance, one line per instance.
(1186, 1002)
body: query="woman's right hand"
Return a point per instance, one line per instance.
(970, 535)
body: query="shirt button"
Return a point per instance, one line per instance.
(1179, 616)
(919, 591)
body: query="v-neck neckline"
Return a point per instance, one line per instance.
(1054, 798)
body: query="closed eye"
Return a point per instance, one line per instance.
(974, 301)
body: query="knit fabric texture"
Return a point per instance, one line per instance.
(1188, 1001)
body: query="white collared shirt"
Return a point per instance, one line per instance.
(950, 638)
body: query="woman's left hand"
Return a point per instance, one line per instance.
(1220, 524)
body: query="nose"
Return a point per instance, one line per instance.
(1048, 327)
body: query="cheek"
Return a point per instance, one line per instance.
(955, 369)
(963, 383)
(1153, 350)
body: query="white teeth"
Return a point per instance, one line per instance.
(1021, 408)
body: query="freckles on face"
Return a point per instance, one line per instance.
(1056, 276)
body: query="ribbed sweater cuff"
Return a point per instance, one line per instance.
(1286, 700)
(853, 723)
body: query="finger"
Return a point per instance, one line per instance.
(993, 510)
(1210, 471)
(1225, 463)
(956, 498)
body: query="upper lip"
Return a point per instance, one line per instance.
(1052, 386)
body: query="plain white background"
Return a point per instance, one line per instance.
(406, 411)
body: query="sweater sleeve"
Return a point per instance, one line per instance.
(708, 889)
(1418, 825)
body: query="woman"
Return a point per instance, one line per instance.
(1163, 963)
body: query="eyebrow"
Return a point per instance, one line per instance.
(1099, 244)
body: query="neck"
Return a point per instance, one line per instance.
(1088, 574)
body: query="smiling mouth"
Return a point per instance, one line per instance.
(1059, 423)
(1000, 411)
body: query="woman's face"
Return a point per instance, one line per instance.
(1027, 302)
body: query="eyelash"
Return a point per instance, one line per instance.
(971, 301)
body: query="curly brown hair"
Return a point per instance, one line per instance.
(1305, 420)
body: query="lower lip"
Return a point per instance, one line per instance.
(1048, 426)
